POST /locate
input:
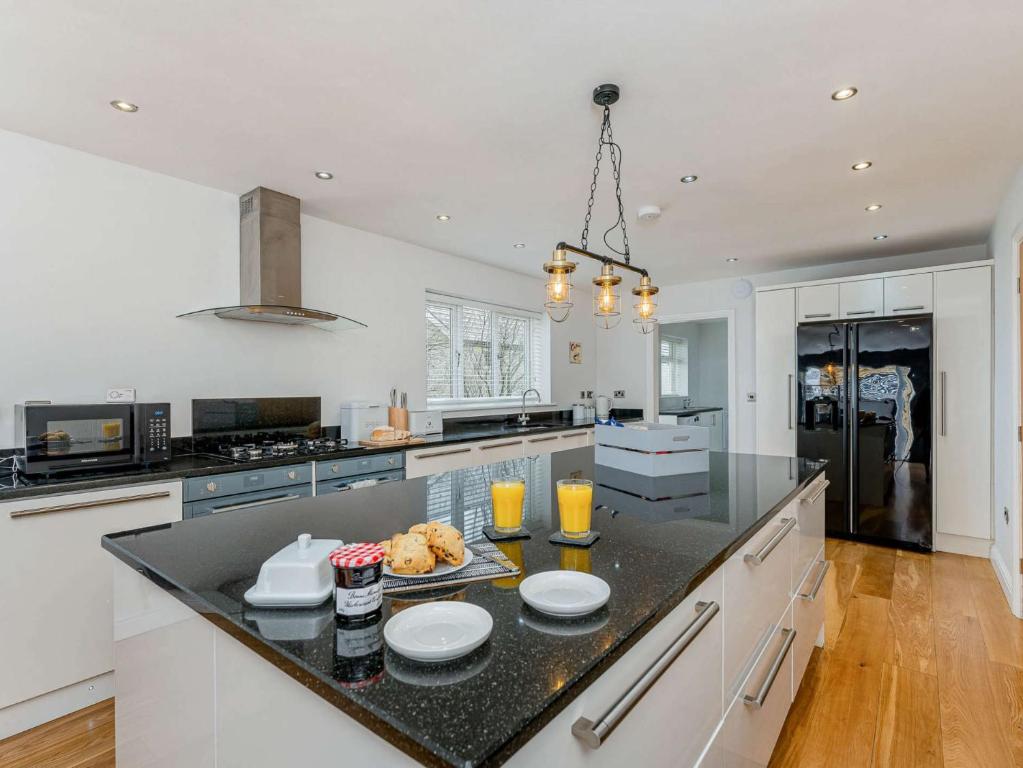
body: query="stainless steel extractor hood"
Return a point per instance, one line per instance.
(271, 266)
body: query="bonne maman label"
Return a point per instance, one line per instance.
(356, 602)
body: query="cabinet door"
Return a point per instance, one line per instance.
(431, 461)
(58, 583)
(541, 444)
(818, 302)
(910, 294)
(962, 356)
(572, 439)
(490, 451)
(776, 372)
(861, 299)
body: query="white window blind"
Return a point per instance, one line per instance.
(477, 352)
(675, 367)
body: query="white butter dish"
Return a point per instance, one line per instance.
(298, 576)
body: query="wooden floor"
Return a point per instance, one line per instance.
(922, 666)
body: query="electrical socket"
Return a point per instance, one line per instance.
(751, 397)
(619, 393)
(582, 393)
(589, 394)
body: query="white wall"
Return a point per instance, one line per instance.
(622, 362)
(97, 258)
(1002, 247)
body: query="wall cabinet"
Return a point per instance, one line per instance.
(962, 381)
(430, 461)
(861, 299)
(776, 372)
(817, 302)
(58, 584)
(909, 294)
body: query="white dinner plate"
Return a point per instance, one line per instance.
(438, 631)
(440, 569)
(564, 593)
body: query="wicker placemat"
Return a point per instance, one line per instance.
(480, 569)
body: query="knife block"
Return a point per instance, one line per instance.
(398, 418)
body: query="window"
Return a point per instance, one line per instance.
(675, 367)
(477, 352)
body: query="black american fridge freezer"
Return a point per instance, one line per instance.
(864, 404)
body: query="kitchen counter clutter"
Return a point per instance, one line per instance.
(186, 463)
(204, 677)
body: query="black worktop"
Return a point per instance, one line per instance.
(690, 411)
(480, 709)
(187, 462)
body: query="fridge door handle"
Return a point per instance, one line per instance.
(944, 410)
(790, 401)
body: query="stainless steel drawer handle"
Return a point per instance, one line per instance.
(819, 491)
(861, 312)
(916, 308)
(257, 503)
(944, 411)
(70, 507)
(572, 434)
(440, 453)
(768, 548)
(814, 315)
(790, 394)
(758, 701)
(543, 439)
(593, 732)
(812, 594)
(500, 445)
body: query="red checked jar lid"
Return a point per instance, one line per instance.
(356, 555)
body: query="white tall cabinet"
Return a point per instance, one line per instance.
(776, 372)
(959, 296)
(962, 424)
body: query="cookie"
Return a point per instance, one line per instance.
(420, 528)
(386, 544)
(410, 554)
(446, 542)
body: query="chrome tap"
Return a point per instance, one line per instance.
(523, 418)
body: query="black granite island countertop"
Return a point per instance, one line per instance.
(480, 709)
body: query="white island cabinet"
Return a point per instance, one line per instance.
(710, 684)
(57, 643)
(515, 445)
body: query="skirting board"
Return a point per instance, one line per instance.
(1005, 579)
(42, 709)
(962, 545)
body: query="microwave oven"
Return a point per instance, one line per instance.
(51, 439)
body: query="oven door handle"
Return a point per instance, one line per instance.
(257, 503)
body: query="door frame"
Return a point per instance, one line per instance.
(1016, 503)
(653, 380)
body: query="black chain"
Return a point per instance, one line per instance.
(607, 139)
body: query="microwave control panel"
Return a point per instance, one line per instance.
(152, 422)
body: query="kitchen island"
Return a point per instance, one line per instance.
(204, 679)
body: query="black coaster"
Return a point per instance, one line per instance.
(557, 538)
(494, 535)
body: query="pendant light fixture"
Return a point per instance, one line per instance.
(607, 311)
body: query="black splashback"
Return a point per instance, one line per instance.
(267, 417)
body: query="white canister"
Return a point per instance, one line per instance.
(578, 412)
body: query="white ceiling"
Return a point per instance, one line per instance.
(481, 109)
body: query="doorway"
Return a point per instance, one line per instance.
(693, 374)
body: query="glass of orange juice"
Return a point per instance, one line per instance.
(575, 504)
(507, 495)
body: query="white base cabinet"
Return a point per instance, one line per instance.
(58, 587)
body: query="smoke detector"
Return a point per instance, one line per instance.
(649, 212)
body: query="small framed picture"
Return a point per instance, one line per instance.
(575, 352)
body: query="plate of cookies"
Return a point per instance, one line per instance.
(427, 549)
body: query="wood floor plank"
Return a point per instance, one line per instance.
(951, 587)
(979, 568)
(838, 585)
(912, 626)
(877, 571)
(909, 727)
(866, 634)
(1007, 685)
(82, 739)
(971, 734)
(1003, 632)
(834, 718)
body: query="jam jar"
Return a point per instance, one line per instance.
(358, 582)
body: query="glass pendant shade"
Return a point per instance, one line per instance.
(559, 286)
(645, 308)
(607, 299)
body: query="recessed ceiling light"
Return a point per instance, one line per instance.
(873, 207)
(689, 179)
(324, 175)
(124, 106)
(862, 165)
(443, 217)
(519, 245)
(844, 93)
(880, 237)
(731, 260)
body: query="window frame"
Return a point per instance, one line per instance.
(537, 332)
(673, 359)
